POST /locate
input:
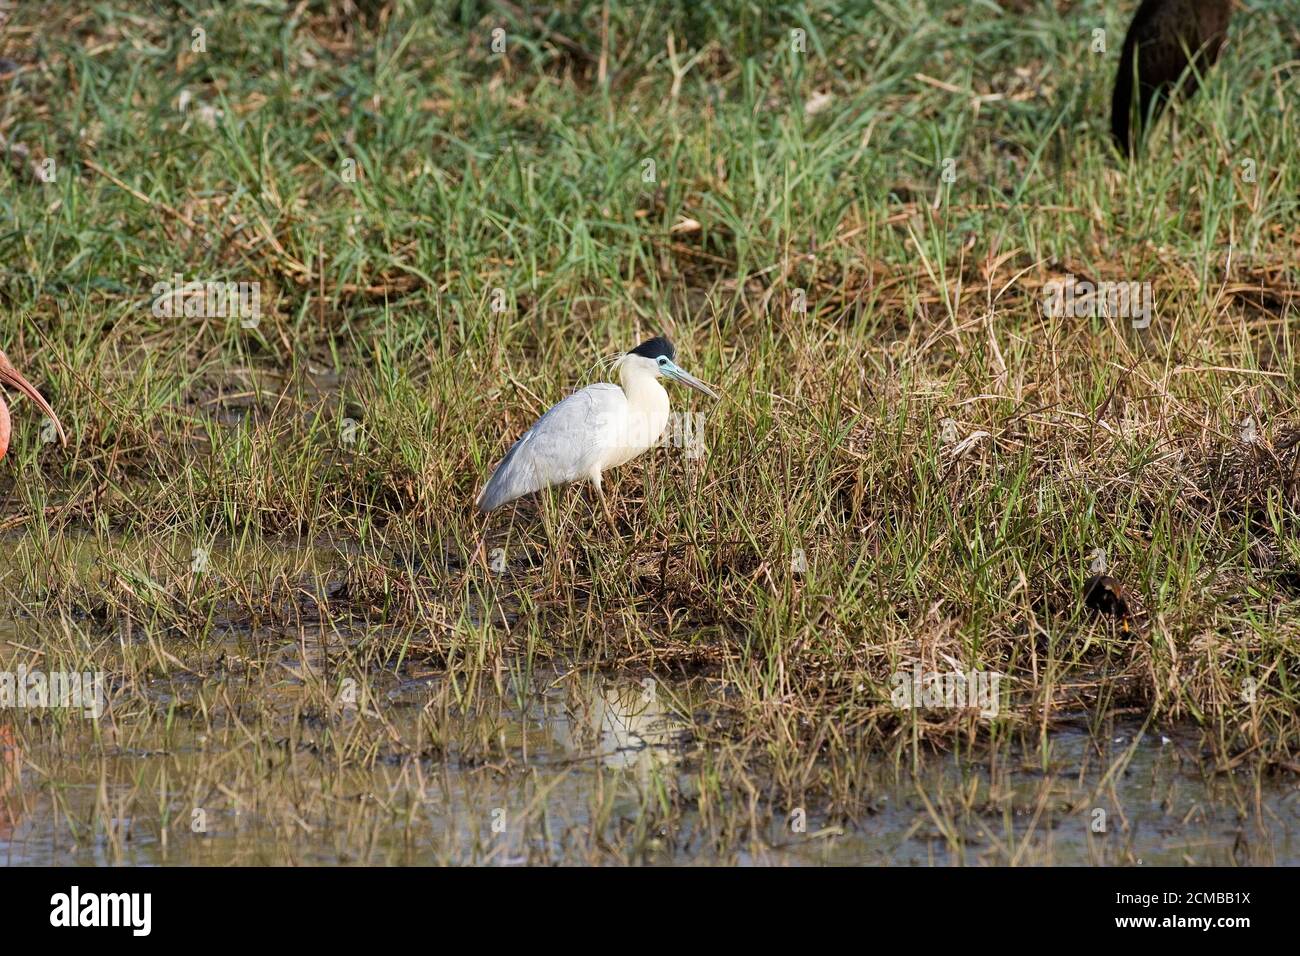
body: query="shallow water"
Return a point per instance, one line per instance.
(590, 772)
(253, 749)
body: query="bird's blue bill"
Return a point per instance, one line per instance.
(669, 368)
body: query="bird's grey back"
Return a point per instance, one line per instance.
(561, 447)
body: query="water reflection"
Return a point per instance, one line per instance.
(624, 725)
(589, 767)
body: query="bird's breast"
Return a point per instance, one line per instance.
(636, 430)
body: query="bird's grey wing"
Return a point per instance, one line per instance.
(562, 446)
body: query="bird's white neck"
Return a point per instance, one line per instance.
(642, 382)
(647, 404)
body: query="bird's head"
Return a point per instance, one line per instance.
(655, 357)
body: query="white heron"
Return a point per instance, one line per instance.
(596, 428)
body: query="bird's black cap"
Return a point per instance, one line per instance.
(655, 347)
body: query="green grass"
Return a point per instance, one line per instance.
(524, 172)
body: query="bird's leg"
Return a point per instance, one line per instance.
(546, 510)
(604, 502)
(480, 553)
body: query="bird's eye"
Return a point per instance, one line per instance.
(662, 361)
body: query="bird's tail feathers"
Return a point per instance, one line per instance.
(512, 479)
(493, 494)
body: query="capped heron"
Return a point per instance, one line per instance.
(596, 428)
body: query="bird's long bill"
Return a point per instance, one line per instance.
(686, 378)
(11, 376)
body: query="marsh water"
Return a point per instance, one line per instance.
(245, 760)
